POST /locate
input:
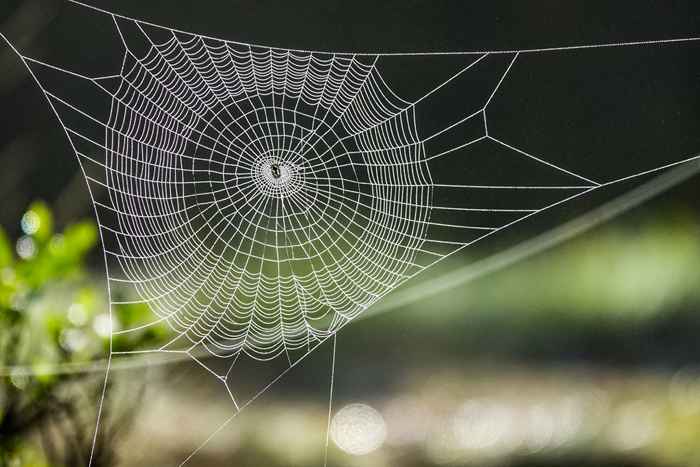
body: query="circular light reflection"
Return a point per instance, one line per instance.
(26, 248)
(30, 222)
(73, 340)
(480, 424)
(103, 325)
(358, 429)
(77, 314)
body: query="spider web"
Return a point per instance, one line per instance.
(263, 204)
(259, 199)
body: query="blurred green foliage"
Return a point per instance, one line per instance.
(631, 271)
(55, 320)
(623, 294)
(581, 300)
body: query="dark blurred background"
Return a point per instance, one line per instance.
(586, 354)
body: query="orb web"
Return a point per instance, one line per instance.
(261, 201)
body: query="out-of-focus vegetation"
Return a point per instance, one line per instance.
(584, 355)
(54, 323)
(626, 293)
(497, 415)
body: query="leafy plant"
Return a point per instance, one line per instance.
(54, 324)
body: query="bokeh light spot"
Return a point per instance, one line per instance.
(26, 247)
(358, 429)
(30, 222)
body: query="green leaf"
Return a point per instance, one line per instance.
(80, 238)
(6, 255)
(43, 374)
(133, 314)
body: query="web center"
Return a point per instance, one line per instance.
(278, 173)
(277, 177)
(275, 170)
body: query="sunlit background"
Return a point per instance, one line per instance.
(586, 354)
